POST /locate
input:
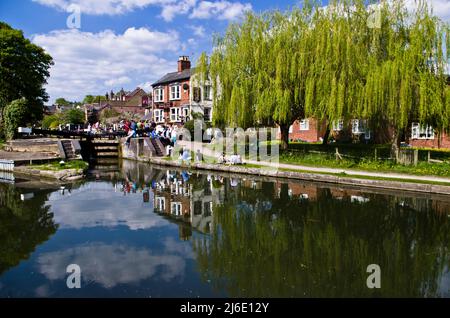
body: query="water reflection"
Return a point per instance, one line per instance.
(144, 231)
(25, 222)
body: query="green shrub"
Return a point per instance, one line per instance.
(15, 115)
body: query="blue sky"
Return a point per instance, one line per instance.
(122, 43)
(128, 43)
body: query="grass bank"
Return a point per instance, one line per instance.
(56, 166)
(359, 158)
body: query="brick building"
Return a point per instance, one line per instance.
(171, 95)
(177, 95)
(426, 137)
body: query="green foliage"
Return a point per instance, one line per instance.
(15, 115)
(52, 121)
(332, 64)
(89, 99)
(24, 69)
(364, 162)
(62, 102)
(56, 166)
(74, 116)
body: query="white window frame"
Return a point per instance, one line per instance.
(175, 92)
(160, 203)
(210, 114)
(175, 117)
(207, 93)
(159, 95)
(158, 116)
(176, 208)
(304, 125)
(338, 125)
(359, 126)
(185, 113)
(422, 132)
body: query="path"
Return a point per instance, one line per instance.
(360, 173)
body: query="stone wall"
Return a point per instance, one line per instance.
(138, 148)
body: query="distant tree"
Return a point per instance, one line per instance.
(74, 116)
(62, 102)
(52, 121)
(15, 115)
(24, 69)
(90, 99)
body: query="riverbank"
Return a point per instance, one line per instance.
(433, 186)
(70, 171)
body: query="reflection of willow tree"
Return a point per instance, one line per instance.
(322, 248)
(23, 226)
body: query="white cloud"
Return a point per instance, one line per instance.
(169, 11)
(222, 10)
(115, 264)
(94, 63)
(96, 208)
(198, 30)
(103, 7)
(118, 81)
(441, 8)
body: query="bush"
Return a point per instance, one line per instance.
(51, 121)
(74, 116)
(15, 115)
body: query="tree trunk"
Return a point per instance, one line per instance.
(284, 129)
(326, 136)
(395, 146)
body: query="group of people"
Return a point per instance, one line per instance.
(166, 133)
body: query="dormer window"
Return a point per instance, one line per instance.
(175, 92)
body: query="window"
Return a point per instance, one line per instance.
(338, 125)
(160, 204)
(175, 92)
(304, 124)
(159, 95)
(207, 93)
(207, 209)
(197, 94)
(159, 115)
(359, 126)
(174, 114)
(207, 114)
(186, 113)
(175, 208)
(422, 132)
(291, 129)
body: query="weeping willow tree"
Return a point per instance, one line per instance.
(381, 63)
(257, 69)
(406, 76)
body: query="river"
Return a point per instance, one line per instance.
(137, 230)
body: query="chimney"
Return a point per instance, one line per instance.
(183, 63)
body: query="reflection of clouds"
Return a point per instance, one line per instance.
(445, 284)
(111, 265)
(42, 291)
(99, 204)
(182, 248)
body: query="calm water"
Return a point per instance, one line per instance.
(146, 232)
